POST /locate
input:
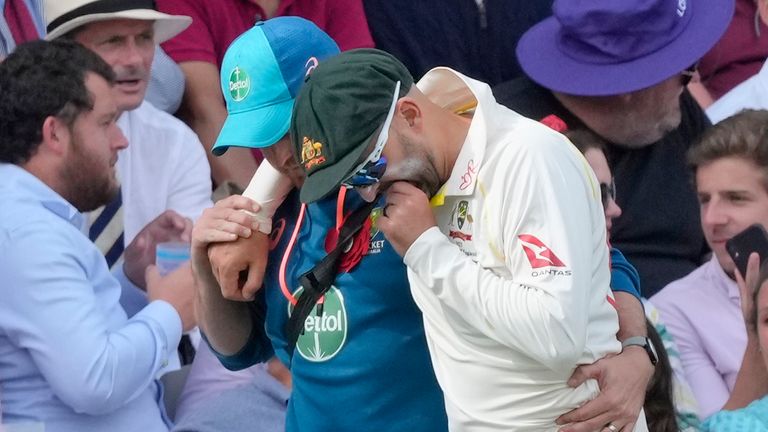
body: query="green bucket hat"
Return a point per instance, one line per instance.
(339, 112)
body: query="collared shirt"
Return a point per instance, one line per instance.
(711, 349)
(514, 281)
(750, 94)
(163, 167)
(69, 356)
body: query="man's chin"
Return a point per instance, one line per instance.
(130, 101)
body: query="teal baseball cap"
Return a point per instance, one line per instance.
(261, 75)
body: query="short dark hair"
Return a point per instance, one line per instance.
(744, 135)
(584, 139)
(38, 80)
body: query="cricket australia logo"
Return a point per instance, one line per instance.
(460, 218)
(311, 153)
(239, 84)
(325, 329)
(376, 244)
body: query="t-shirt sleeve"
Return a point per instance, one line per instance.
(751, 418)
(196, 42)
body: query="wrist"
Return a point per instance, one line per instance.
(641, 343)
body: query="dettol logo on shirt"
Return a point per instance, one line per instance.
(324, 333)
(239, 84)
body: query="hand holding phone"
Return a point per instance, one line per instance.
(741, 246)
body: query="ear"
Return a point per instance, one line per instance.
(408, 110)
(56, 136)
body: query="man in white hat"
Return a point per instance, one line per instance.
(164, 173)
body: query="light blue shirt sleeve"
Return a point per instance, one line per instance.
(60, 305)
(132, 298)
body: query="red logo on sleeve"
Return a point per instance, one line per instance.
(539, 254)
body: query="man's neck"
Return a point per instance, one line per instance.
(269, 7)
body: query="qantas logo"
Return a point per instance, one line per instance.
(539, 254)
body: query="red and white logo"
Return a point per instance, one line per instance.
(539, 254)
(310, 65)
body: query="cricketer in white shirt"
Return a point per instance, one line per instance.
(514, 281)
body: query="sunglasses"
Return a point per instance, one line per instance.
(607, 193)
(687, 75)
(372, 169)
(368, 175)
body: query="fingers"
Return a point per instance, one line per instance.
(589, 411)
(581, 374)
(593, 424)
(253, 282)
(223, 225)
(239, 202)
(401, 189)
(753, 269)
(229, 283)
(186, 232)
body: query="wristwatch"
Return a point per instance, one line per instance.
(645, 343)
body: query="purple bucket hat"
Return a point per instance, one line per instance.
(610, 47)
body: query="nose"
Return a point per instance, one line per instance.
(132, 54)
(368, 193)
(119, 141)
(713, 214)
(613, 210)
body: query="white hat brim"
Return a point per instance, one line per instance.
(166, 26)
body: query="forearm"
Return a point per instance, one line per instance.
(227, 324)
(752, 379)
(631, 315)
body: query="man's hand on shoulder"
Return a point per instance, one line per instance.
(623, 380)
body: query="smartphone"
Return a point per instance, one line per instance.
(741, 246)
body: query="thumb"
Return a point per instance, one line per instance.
(581, 374)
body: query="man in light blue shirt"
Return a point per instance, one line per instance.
(69, 356)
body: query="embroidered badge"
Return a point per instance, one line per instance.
(311, 153)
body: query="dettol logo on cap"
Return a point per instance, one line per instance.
(324, 332)
(239, 84)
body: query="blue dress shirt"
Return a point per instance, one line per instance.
(69, 355)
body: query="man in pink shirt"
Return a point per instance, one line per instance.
(702, 310)
(200, 49)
